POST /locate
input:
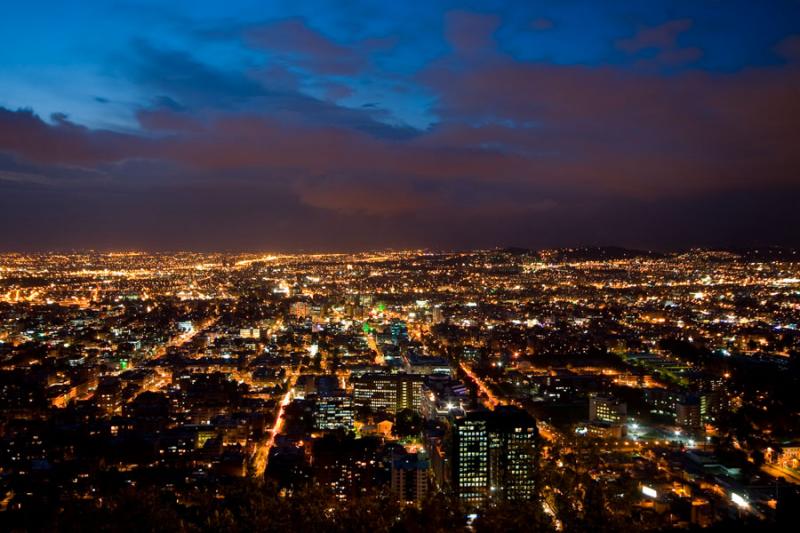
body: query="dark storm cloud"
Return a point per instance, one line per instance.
(636, 132)
(190, 91)
(24, 134)
(521, 152)
(503, 122)
(186, 82)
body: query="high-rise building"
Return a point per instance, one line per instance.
(387, 392)
(317, 312)
(409, 477)
(602, 409)
(470, 353)
(688, 413)
(108, 395)
(348, 466)
(494, 455)
(712, 405)
(398, 332)
(300, 309)
(471, 460)
(662, 401)
(333, 410)
(250, 333)
(437, 317)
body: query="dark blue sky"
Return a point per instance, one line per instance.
(351, 125)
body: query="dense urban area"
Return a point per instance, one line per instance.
(582, 389)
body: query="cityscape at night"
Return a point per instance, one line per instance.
(572, 389)
(385, 267)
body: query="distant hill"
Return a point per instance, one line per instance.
(596, 253)
(766, 253)
(611, 253)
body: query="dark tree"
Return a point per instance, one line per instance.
(407, 423)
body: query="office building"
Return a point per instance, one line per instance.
(387, 392)
(602, 409)
(494, 455)
(300, 309)
(333, 410)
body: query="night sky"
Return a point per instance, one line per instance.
(298, 125)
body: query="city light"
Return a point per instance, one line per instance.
(332, 382)
(649, 492)
(739, 500)
(399, 266)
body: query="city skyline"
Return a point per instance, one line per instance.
(467, 266)
(318, 126)
(560, 390)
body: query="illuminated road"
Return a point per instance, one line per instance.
(180, 340)
(261, 455)
(489, 399)
(548, 509)
(379, 359)
(163, 380)
(548, 431)
(779, 471)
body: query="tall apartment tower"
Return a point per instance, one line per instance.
(494, 455)
(410, 472)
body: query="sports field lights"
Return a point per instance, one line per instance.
(739, 500)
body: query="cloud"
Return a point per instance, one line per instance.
(297, 43)
(192, 93)
(789, 48)
(24, 134)
(470, 33)
(663, 41)
(337, 91)
(168, 121)
(184, 82)
(503, 124)
(660, 37)
(24, 177)
(518, 149)
(632, 132)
